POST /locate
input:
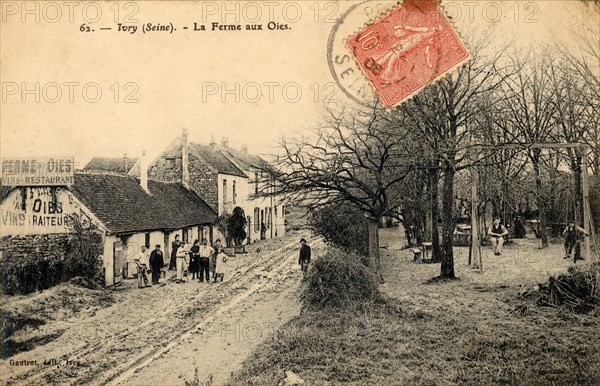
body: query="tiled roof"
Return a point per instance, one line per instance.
(108, 164)
(121, 204)
(216, 159)
(242, 158)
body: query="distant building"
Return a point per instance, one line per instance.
(124, 165)
(224, 178)
(129, 212)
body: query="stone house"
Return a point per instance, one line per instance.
(221, 176)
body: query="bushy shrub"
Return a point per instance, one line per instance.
(83, 250)
(236, 226)
(343, 226)
(339, 279)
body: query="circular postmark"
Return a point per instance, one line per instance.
(342, 65)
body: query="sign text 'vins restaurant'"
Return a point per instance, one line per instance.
(48, 171)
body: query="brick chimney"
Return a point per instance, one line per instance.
(126, 163)
(144, 172)
(224, 142)
(212, 141)
(245, 148)
(185, 176)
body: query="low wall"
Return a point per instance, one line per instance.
(34, 246)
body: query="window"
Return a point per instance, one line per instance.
(269, 218)
(255, 183)
(170, 163)
(234, 196)
(224, 191)
(147, 240)
(256, 219)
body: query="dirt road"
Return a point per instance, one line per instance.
(159, 335)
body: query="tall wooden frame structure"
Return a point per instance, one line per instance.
(475, 249)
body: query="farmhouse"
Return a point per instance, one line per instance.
(129, 212)
(221, 176)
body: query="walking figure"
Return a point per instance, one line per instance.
(573, 236)
(304, 259)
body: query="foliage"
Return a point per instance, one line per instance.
(223, 227)
(340, 280)
(236, 226)
(85, 245)
(30, 274)
(332, 223)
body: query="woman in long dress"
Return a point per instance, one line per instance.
(219, 264)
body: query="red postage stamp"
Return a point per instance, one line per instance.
(407, 49)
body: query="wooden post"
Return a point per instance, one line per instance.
(475, 248)
(586, 202)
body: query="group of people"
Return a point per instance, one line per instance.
(202, 261)
(573, 235)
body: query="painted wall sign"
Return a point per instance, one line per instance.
(46, 210)
(46, 171)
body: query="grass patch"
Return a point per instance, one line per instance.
(382, 344)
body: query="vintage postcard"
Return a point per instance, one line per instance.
(309, 192)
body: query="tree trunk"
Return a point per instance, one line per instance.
(374, 257)
(541, 202)
(578, 210)
(436, 252)
(447, 268)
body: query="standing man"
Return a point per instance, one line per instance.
(497, 232)
(573, 236)
(304, 259)
(181, 261)
(156, 263)
(142, 260)
(174, 246)
(205, 253)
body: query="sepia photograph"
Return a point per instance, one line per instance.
(300, 192)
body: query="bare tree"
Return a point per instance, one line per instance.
(530, 117)
(353, 160)
(586, 63)
(445, 112)
(573, 119)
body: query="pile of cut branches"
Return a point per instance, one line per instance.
(577, 290)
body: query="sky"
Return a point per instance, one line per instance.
(70, 88)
